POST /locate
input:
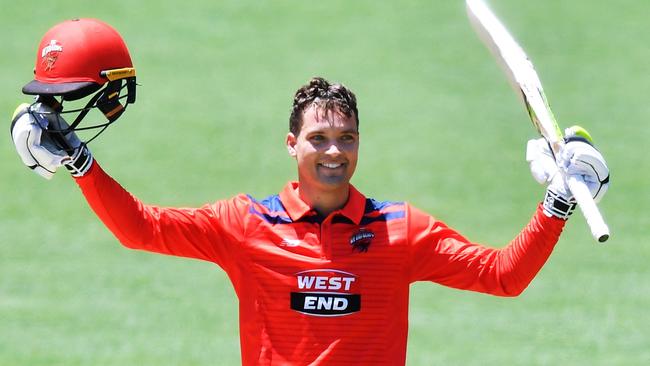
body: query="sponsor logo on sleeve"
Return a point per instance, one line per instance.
(326, 292)
(291, 243)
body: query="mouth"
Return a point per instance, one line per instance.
(330, 169)
(331, 165)
(333, 172)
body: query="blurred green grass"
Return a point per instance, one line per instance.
(440, 128)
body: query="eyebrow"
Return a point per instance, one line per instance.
(350, 130)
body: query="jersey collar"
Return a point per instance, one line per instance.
(297, 208)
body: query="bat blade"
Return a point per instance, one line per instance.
(524, 79)
(518, 68)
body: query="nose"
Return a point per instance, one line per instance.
(333, 150)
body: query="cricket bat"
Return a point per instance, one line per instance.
(523, 78)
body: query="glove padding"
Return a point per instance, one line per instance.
(578, 158)
(40, 150)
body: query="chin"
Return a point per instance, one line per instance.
(334, 182)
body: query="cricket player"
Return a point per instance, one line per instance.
(322, 273)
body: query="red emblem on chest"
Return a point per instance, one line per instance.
(360, 240)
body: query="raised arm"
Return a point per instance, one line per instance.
(442, 255)
(212, 232)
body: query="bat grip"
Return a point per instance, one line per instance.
(581, 192)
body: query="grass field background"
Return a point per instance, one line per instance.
(440, 128)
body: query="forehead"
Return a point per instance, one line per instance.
(319, 118)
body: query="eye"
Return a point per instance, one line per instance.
(316, 138)
(348, 138)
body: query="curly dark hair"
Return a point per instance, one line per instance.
(324, 94)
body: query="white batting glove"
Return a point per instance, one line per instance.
(578, 158)
(40, 150)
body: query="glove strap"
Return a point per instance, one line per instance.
(80, 161)
(557, 205)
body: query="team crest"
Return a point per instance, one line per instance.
(360, 240)
(50, 54)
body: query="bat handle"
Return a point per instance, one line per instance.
(581, 192)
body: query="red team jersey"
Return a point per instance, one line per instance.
(313, 290)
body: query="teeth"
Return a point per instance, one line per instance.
(331, 165)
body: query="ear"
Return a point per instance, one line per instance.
(291, 144)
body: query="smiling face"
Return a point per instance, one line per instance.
(326, 149)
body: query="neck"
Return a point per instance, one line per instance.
(324, 201)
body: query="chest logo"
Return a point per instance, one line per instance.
(326, 292)
(360, 240)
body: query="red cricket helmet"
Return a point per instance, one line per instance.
(76, 57)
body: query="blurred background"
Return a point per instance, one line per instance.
(440, 127)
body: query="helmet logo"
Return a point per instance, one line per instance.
(50, 53)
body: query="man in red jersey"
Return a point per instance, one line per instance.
(322, 273)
